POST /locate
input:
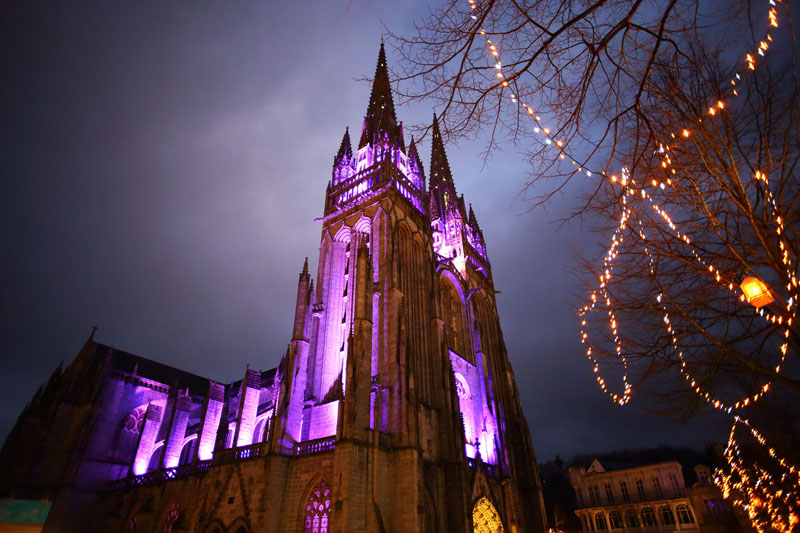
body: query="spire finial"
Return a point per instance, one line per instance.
(441, 179)
(304, 273)
(380, 121)
(345, 149)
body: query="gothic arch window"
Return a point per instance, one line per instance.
(317, 509)
(171, 516)
(215, 527)
(128, 434)
(462, 388)
(133, 518)
(455, 322)
(485, 518)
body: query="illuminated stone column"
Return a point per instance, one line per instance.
(172, 454)
(355, 417)
(152, 423)
(248, 408)
(290, 421)
(213, 413)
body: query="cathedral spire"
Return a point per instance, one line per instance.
(442, 189)
(380, 122)
(440, 168)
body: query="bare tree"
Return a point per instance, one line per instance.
(709, 195)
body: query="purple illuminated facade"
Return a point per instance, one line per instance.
(396, 370)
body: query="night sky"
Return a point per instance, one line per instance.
(162, 164)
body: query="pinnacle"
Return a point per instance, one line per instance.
(345, 149)
(473, 221)
(413, 154)
(304, 273)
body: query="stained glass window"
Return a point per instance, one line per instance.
(171, 517)
(485, 518)
(462, 389)
(318, 509)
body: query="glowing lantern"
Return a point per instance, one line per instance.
(756, 292)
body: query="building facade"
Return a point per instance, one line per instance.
(650, 498)
(394, 407)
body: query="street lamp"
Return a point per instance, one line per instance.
(756, 292)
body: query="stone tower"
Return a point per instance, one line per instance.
(399, 352)
(394, 407)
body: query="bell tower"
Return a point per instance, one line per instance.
(399, 346)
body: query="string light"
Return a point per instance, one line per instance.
(755, 497)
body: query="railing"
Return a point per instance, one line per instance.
(161, 475)
(236, 454)
(201, 467)
(651, 495)
(314, 446)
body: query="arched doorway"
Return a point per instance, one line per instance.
(485, 518)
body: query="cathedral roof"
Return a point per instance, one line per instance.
(380, 122)
(129, 363)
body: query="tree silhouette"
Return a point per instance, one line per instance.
(682, 119)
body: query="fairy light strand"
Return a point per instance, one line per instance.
(755, 497)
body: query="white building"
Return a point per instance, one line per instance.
(650, 498)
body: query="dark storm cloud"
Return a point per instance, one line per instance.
(162, 165)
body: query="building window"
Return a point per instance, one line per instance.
(615, 519)
(703, 476)
(485, 518)
(623, 487)
(684, 514)
(667, 518)
(640, 489)
(594, 495)
(170, 518)
(657, 487)
(600, 522)
(630, 519)
(462, 389)
(673, 480)
(609, 494)
(648, 518)
(318, 508)
(717, 509)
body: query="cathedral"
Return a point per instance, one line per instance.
(393, 409)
